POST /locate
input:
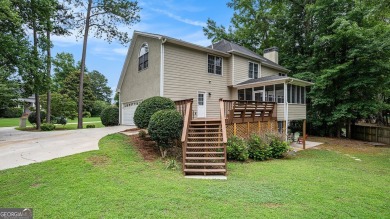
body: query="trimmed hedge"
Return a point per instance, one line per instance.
(237, 149)
(90, 126)
(110, 116)
(60, 120)
(165, 126)
(148, 107)
(279, 148)
(12, 112)
(33, 119)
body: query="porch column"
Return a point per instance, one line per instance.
(304, 135)
(285, 111)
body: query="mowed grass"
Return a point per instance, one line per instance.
(115, 182)
(13, 122)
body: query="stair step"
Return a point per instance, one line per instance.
(191, 128)
(203, 152)
(203, 137)
(205, 170)
(205, 147)
(205, 124)
(204, 133)
(205, 158)
(205, 164)
(205, 142)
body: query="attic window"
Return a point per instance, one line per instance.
(143, 59)
(215, 65)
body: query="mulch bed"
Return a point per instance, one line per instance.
(147, 148)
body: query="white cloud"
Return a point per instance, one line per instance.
(178, 18)
(120, 51)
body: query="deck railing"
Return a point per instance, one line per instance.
(240, 111)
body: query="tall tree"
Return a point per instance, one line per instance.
(100, 88)
(102, 17)
(63, 65)
(343, 46)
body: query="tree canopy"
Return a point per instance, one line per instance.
(343, 46)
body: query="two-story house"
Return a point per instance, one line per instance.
(158, 65)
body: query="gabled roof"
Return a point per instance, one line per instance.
(274, 79)
(230, 47)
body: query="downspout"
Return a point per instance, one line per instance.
(120, 107)
(162, 67)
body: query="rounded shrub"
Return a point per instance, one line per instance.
(258, 148)
(32, 118)
(148, 107)
(90, 126)
(47, 127)
(165, 126)
(279, 148)
(237, 149)
(60, 120)
(86, 114)
(110, 116)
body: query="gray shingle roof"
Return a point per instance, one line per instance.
(227, 46)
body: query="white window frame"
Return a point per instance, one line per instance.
(215, 70)
(139, 56)
(258, 70)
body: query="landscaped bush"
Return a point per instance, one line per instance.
(90, 126)
(86, 114)
(33, 119)
(47, 127)
(165, 126)
(237, 149)
(279, 148)
(98, 106)
(12, 112)
(60, 120)
(148, 107)
(110, 116)
(258, 148)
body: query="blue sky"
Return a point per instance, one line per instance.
(181, 19)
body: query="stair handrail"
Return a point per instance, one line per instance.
(187, 119)
(223, 120)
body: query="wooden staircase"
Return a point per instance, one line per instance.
(203, 142)
(205, 151)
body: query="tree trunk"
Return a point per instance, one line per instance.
(48, 110)
(81, 88)
(36, 80)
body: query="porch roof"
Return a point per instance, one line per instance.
(270, 80)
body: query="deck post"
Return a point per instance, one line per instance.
(258, 127)
(247, 129)
(304, 135)
(235, 129)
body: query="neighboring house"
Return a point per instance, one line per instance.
(158, 65)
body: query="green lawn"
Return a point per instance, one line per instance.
(115, 182)
(65, 127)
(13, 122)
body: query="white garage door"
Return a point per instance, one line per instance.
(128, 110)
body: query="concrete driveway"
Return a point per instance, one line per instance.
(18, 148)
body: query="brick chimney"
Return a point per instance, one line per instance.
(272, 54)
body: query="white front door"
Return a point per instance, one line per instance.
(201, 105)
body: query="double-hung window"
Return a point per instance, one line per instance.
(143, 57)
(214, 65)
(253, 70)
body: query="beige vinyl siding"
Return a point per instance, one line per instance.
(146, 83)
(185, 73)
(241, 68)
(266, 71)
(295, 112)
